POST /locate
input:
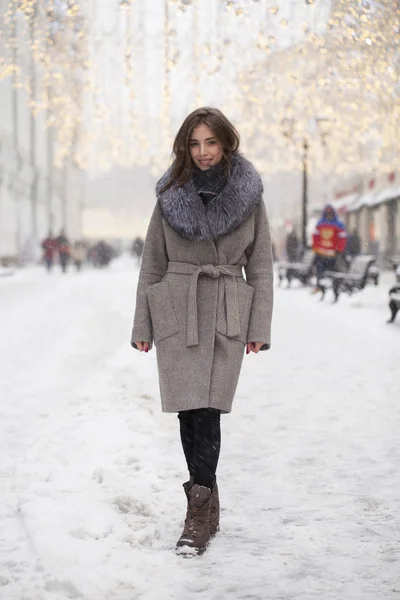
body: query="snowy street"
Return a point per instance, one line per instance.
(91, 470)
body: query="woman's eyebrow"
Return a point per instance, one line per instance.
(207, 139)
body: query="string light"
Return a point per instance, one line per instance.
(345, 71)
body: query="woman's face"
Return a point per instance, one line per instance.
(205, 149)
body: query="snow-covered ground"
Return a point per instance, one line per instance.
(91, 503)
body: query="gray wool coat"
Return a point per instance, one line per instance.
(193, 300)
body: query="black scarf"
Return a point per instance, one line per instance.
(209, 183)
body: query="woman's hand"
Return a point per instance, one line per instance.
(254, 347)
(143, 346)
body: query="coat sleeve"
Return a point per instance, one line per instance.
(153, 268)
(341, 239)
(316, 239)
(259, 274)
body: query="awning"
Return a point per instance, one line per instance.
(376, 198)
(346, 203)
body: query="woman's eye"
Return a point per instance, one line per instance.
(193, 144)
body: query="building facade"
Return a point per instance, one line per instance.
(373, 210)
(38, 191)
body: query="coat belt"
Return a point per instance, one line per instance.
(229, 273)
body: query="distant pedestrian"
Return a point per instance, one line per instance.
(353, 246)
(137, 248)
(292, 246)
(64, 250)
(78, 254)
(208, 228)
(102, 254)
(329, 241)
(49, 247)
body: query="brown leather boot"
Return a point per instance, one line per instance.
(196, 533)
(187, 486)
(214, 511)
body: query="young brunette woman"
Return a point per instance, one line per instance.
(209, 229)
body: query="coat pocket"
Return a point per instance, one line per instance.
(245, 298)
(162, 312)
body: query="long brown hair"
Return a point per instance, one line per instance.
(224, 131)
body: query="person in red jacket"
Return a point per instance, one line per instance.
(49, 247)
(329, 240)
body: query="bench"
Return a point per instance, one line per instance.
(6, 271)
(394, 262)
(394, 302)
(297, 270)
(354, 280)
(373, 274)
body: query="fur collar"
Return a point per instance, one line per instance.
(184, 211)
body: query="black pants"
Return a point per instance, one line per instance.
(324, 263)
(64, 260)
(201, 442)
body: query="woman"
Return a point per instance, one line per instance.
(208, 225)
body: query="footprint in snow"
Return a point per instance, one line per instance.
(64, 587)
(127, 504)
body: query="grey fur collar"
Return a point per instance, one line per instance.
(184, 211)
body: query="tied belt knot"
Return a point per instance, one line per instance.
(229, 273)
(211, 271)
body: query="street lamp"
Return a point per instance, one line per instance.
(33, 126)
(18, 189)
(2, 170)
(288, 129)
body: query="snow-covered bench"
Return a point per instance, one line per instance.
(355, 280)
(6, 271)
(394, 262)
(297, 270)
(394, 302)
(373, 274)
